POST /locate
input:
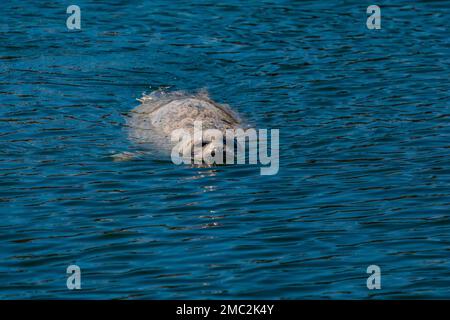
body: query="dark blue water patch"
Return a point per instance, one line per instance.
(364, 178)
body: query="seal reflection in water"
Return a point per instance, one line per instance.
(160, 114)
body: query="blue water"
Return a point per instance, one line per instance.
(364, 158)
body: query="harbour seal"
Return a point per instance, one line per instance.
(152, 123)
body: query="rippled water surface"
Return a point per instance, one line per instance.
(364, 151)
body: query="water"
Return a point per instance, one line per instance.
(364, 176)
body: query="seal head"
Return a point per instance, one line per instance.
(152, 123)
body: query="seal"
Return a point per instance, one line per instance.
(160, 113)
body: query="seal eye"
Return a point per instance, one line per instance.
(204, 143)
